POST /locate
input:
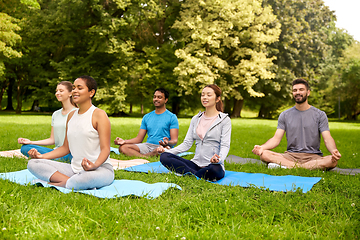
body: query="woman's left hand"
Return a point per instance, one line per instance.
(88, 165)
(215, 158)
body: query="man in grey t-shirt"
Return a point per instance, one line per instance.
(304, 125)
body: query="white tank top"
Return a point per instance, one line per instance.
(84, 141)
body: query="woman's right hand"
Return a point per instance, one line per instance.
(160, 149)
(24, 141)
(33, 153)
(215, 158)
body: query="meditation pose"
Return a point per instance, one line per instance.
(304, 125)
(211, 131)
(58, 124)
(161, 126)
(88, 141)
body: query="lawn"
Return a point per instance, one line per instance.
(201, 210)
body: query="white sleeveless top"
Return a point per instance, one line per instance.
(58, 122)
(84, 141)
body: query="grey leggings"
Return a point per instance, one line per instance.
(100, 177)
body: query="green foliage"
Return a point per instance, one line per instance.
(322, 94)
(225, 43)
(8, 39)
(251, 49)
(302, 47)
(349, 88)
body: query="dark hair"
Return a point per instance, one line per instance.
(163, 90)
(301, 81)
(217, 90)
(90, 83)
(69, 87)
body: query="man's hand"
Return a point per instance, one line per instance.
(258, 150)
(24, 141)
(33, 153)
(88, 165)
(215, 158)
(335, 155)
(119, 141)
(164, 142)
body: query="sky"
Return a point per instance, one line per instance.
(347, 14)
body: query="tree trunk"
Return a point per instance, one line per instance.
(131, 106)
(142, 109)
(356, 114)
(9, 91)
(227, 108)
(175, 105)
(3, 88)
(238, 104)
(19, 95)
(35, 105)
(264, 112)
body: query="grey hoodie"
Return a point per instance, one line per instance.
(216, 140)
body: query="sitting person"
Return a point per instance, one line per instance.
(303, 125)
(211, 131)
(88, 141)
(58, 124)
(161, 126)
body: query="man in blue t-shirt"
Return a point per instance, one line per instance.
(304, 125)
(160, 125)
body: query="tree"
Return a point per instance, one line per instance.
(8, 39)
(330, 70)
(153, 57)
(13, 75)
(346, 86)
(225, 43)
(302, 48)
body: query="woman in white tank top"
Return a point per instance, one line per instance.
(87, 139)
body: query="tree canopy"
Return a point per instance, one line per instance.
(252, 49)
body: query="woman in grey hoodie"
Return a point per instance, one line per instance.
(211, 131)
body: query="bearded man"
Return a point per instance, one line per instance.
(304, 125)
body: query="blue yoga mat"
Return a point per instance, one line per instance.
(119, 188)
(116, 150)
(273, 183)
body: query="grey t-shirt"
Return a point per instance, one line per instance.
(303, 129)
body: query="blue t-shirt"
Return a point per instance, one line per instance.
(158, 125)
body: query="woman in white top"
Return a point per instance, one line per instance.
(58, 124)
(87, 139)
(211, 132)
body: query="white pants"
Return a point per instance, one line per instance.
(100, 177)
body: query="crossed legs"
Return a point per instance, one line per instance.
(134, 150)
(61, 174)
(316, 162)
(181, 165)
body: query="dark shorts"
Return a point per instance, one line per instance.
(301, 157)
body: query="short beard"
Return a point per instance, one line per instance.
(302, 100)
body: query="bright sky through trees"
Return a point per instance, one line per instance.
(347, 13)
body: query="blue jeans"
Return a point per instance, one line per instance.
(98, 178)
(181, 165)
(26, 148)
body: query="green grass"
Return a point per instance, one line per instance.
(331, 210)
